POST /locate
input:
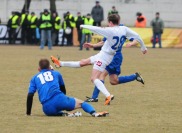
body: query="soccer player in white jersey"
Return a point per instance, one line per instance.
(115, 35)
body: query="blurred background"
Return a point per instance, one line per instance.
(129, 10)
(170, 9)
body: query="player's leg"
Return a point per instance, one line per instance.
(114, 69)
(114, 79)
(89, 108)
(100, 62)
(73, 64)
(60, 102)
(52, 106)
(96, 91)
(95, 79)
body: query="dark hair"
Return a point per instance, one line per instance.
(114, 18)
(157, 13)
(44, 64)
(138, 14)
(88, 14)
(55, 13)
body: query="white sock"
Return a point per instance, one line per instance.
(101, 87)
(70, 63)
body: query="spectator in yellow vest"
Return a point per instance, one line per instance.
(25, 27)
(45, 22)
(13, 24)
(70, 24)
(33, 26)
(113, 11)
(86, 34)
(56, 27)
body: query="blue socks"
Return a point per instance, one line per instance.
(88, 108)
(125, 79)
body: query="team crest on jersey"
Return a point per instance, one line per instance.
(99, 63)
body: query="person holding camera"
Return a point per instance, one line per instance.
(157, 27)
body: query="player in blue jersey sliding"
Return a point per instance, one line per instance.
(49, 85)
(113, 69)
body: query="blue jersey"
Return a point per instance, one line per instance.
(47, 83)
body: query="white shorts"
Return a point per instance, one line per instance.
(101, 60)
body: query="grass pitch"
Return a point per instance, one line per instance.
(155, 107)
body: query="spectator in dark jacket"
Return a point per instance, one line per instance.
(157, 27)
(97, 14)
(13, 24)
(79, 20)
(25, 27)
(33, 26)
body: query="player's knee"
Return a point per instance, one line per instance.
(114, 82)
(78, 103)
(84, 62)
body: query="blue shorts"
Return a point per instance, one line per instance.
(114, 66)
(59, 102)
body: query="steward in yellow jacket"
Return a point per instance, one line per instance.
(86, 34)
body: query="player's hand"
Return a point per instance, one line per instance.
(88, 45)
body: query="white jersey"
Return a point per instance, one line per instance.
(116, 37)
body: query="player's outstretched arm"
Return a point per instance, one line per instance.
(130, 44)
(98, 30)
(29, 103)
(88, 45)
(135, 36)
(134, 43)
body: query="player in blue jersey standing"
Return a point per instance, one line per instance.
(49, 84)
(114, 70)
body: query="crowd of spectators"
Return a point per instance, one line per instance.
(45, 29)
